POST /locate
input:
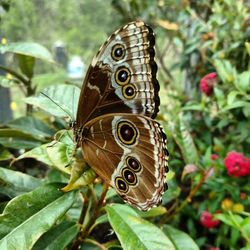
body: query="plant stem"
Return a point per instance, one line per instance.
(96, 243)
(187, 200)
(84, 208)
(14, 73)
(84, 232)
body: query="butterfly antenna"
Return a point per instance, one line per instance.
(57, 105)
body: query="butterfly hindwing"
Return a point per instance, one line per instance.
(129, 152)
(122, 76)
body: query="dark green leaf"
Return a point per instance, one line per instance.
(30, 215)
(48, 238)
(33, 126)
(26, 64)
(24, 206)
(13, 138)
(58, 237)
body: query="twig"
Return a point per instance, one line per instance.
(84, 208)
(96, 243)
(187, 200)
(84, 232)
(14, 73)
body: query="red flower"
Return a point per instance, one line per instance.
(214, 157)
(207, 220)
(214, 248)
(243, 196)
(207, 83)
(237, 164)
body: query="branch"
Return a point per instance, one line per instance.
(14, 73)
(85, 231)
(187, 200)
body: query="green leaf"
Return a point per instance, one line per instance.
(30, 203)
(233, 220)
(226, 71)
(59, 100)
(12, 138)
(185, 141)
(134, 232)
(26, 64)
(234, 105)
(28, 216)
(153, 212)
(245, 224)
(232, 96)
(100, 220)
(243, 81)
(64, 239)
(33, 126)
(90, 246)
(42, 81)
(53, 175)
(58, 237)
(220, 97)
(13, 183)
(60, 156)
(28, 49)
(247, 44)
(194, 107)
(111, 193)
(180, 239)
(39, 153)
(5, 154)
(81, 175)
(173, 191)
(48, 237)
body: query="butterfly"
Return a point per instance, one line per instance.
(115, 125)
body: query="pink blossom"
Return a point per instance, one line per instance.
(207, 83)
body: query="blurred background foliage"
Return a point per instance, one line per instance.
(40, 40)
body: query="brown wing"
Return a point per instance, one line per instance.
(129, 152)
(122, 76)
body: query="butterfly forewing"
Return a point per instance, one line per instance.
(129, 152)
(122, 76)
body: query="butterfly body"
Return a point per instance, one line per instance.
(115, 126)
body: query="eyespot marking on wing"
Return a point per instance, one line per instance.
(127, 133)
